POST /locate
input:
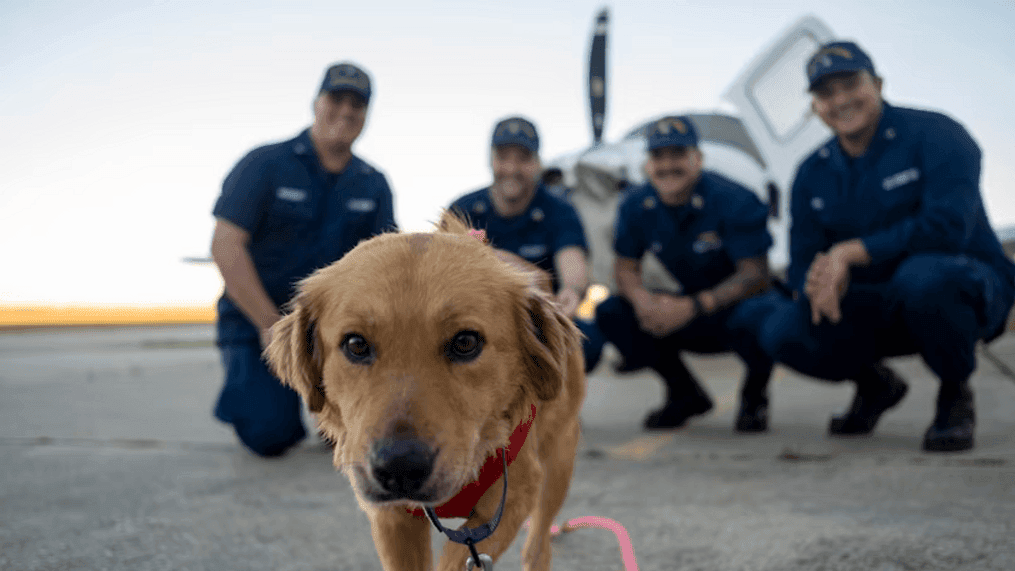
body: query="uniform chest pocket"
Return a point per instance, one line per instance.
(358, 213)
(901, 190)
(833, 214)
(289, 216)
(294, 204)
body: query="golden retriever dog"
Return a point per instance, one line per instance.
(421, 355)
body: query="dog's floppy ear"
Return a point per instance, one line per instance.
(547, 338)
(295, 355)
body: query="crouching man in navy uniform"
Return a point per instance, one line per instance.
(520, 216)
(891, 253)
(285, 210)
(710, 234)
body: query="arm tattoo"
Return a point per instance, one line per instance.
(750, 277)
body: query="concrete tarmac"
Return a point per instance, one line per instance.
(110, 459)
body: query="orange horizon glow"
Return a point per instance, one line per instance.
(28, 315)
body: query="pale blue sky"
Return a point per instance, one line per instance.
(120, 119)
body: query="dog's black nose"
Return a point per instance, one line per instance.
(401, 465)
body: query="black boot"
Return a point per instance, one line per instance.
(684, 398)
(675, 413)
(753, 415)
(877, 390)
(952, 430)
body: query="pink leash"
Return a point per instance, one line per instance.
(626, 549)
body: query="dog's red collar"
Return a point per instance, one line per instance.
(462, 503)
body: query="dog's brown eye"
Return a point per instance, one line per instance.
(357, 350)
(464, 346)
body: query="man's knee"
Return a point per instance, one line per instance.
(614, 309)
(787, 336)
(268, 439)
(592, 343)
(619, 325)
(615, 316)
(925, 281)
(265, 414)
(272, 423)
(749, 316)
(781, 329)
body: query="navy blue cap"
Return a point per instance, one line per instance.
(516, 131)
(837, 57)
(672, 132)
(347, 77)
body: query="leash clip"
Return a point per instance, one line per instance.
(485, 563)
(469, 537)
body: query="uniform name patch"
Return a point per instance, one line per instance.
(532, 251)
(898, 179)
(361, 204)
(291, 194)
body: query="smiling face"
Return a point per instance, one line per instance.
(339, 117)
(515, 176)
(849, 103)
(673, 172)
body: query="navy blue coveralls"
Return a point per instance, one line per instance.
(938, 280)
(300, 218)
(699, 243)
(547, 226)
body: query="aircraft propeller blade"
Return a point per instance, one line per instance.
(597, 77)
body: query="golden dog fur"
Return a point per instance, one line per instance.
(408, 296)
